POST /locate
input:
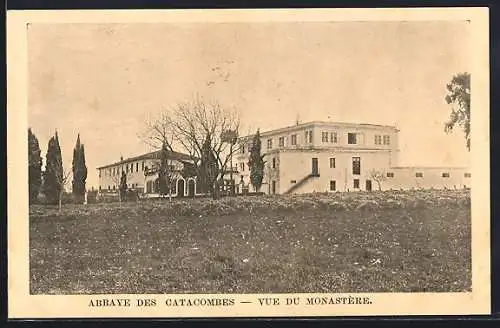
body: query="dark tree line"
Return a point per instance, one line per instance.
(52, 181)
(256, 163)
(79, 171)
(34, 167)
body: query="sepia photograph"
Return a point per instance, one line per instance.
(321, 157)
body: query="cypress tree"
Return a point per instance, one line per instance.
(209, 167)
(256, 163)
(123, 187)
(163, 174)
(53, 171)
(34, 167)
(79, 171)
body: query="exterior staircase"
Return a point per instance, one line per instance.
(300, 183)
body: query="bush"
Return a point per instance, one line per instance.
(92, 197)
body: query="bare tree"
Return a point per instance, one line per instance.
(158, 132)
(167, 173)
(191, 124)
(378, 176)
(268, 177)
(62, 179)
(117, 179)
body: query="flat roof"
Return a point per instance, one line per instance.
(329, 123)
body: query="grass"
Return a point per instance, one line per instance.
(413, 241)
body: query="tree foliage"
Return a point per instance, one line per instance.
(208, 167)
(53, 171)
(459, 97)
(165, 174)
(34, 167)
(123, 186)
(256, 163)
(79, 171)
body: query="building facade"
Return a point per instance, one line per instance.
(328, 157)
(142, 174)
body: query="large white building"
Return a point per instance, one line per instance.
(328, 157)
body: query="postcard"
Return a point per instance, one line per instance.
(248, 163)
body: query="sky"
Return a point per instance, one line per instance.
(105, 81)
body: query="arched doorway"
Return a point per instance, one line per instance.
(191, 188)
(180, 188)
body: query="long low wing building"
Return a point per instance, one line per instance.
(142, 174)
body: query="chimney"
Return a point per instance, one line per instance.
(121, 158)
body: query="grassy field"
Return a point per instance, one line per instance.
(412, 241)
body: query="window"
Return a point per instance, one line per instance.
(466, 175)
(309, 136)
(243, 149)
(143, 166)
(419, 175)
(281, 141)
(324, 136)
(131, 167)
(99, 173)
(351, 138)
(333, 185)
(390, 174)
(387, 140)
(242, 167)
(445, 175)
(315, 167)
(274, 162)
(356, 183)
(109, 187)
(356, 165)
(127, 167)
(269, 143)
(332, 163)
(333, 137)
(293, 181)
(113, 187)
(137, 167)
(293, 140)
(378, 139)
